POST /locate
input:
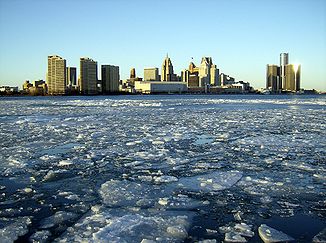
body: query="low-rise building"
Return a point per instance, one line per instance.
(152, 87)
(8, 89)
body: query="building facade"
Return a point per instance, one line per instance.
(284, 60)
(87, 76)
(208, 72)
(71, 76)
(273, 82)
(292, 77)
(225, 79)
(56, 75)
(151, 74)
(132, 73)
(110, 78)
(152, 87)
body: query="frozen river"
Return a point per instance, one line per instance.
(162, 168)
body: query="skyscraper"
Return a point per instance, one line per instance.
(110, 78)
(151, 74)
(167, 70)
(71, 76)
(133, 73)
(284, 60)
(273, 82)
(88, 76)
(56, 75)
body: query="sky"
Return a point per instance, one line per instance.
(241, 36)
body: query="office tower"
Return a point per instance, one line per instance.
(151, 74)
(167, 70)
(88, 76)
(208, 72)
(273, 82)
(71, 76)
(110, 78)
(133, 73)
(292, 77)
(56, 75)
(284, 60)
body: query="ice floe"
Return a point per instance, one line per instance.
(269, 234)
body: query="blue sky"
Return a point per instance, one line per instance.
(241, 36)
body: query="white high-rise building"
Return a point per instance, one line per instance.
(56, 75)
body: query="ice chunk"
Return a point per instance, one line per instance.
(40, 237)
(148, 241)
(11, 232)
(207, 241)
(320, 237)
(244, 229)
(56, 175)
(127, 193)
(177, 231)
(203, 140)
(241, 229)
(269, 234)
(65, 163)
(215, 181)
(165, 179)
(56, 219)
(234, 237)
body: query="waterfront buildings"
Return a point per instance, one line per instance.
(151, 74)
(110, 78)
(56, 75)
(286, 77)
(206, 74)
(8, 90)
(88, 76)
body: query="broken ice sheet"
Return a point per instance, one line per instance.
(123, 226)
(127, 193)
(13, 230)
(59, 217)
(211, 182)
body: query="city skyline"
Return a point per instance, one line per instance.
(239, 36)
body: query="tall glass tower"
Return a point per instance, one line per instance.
(284, 60)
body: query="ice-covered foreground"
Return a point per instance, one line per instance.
(162, 169)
